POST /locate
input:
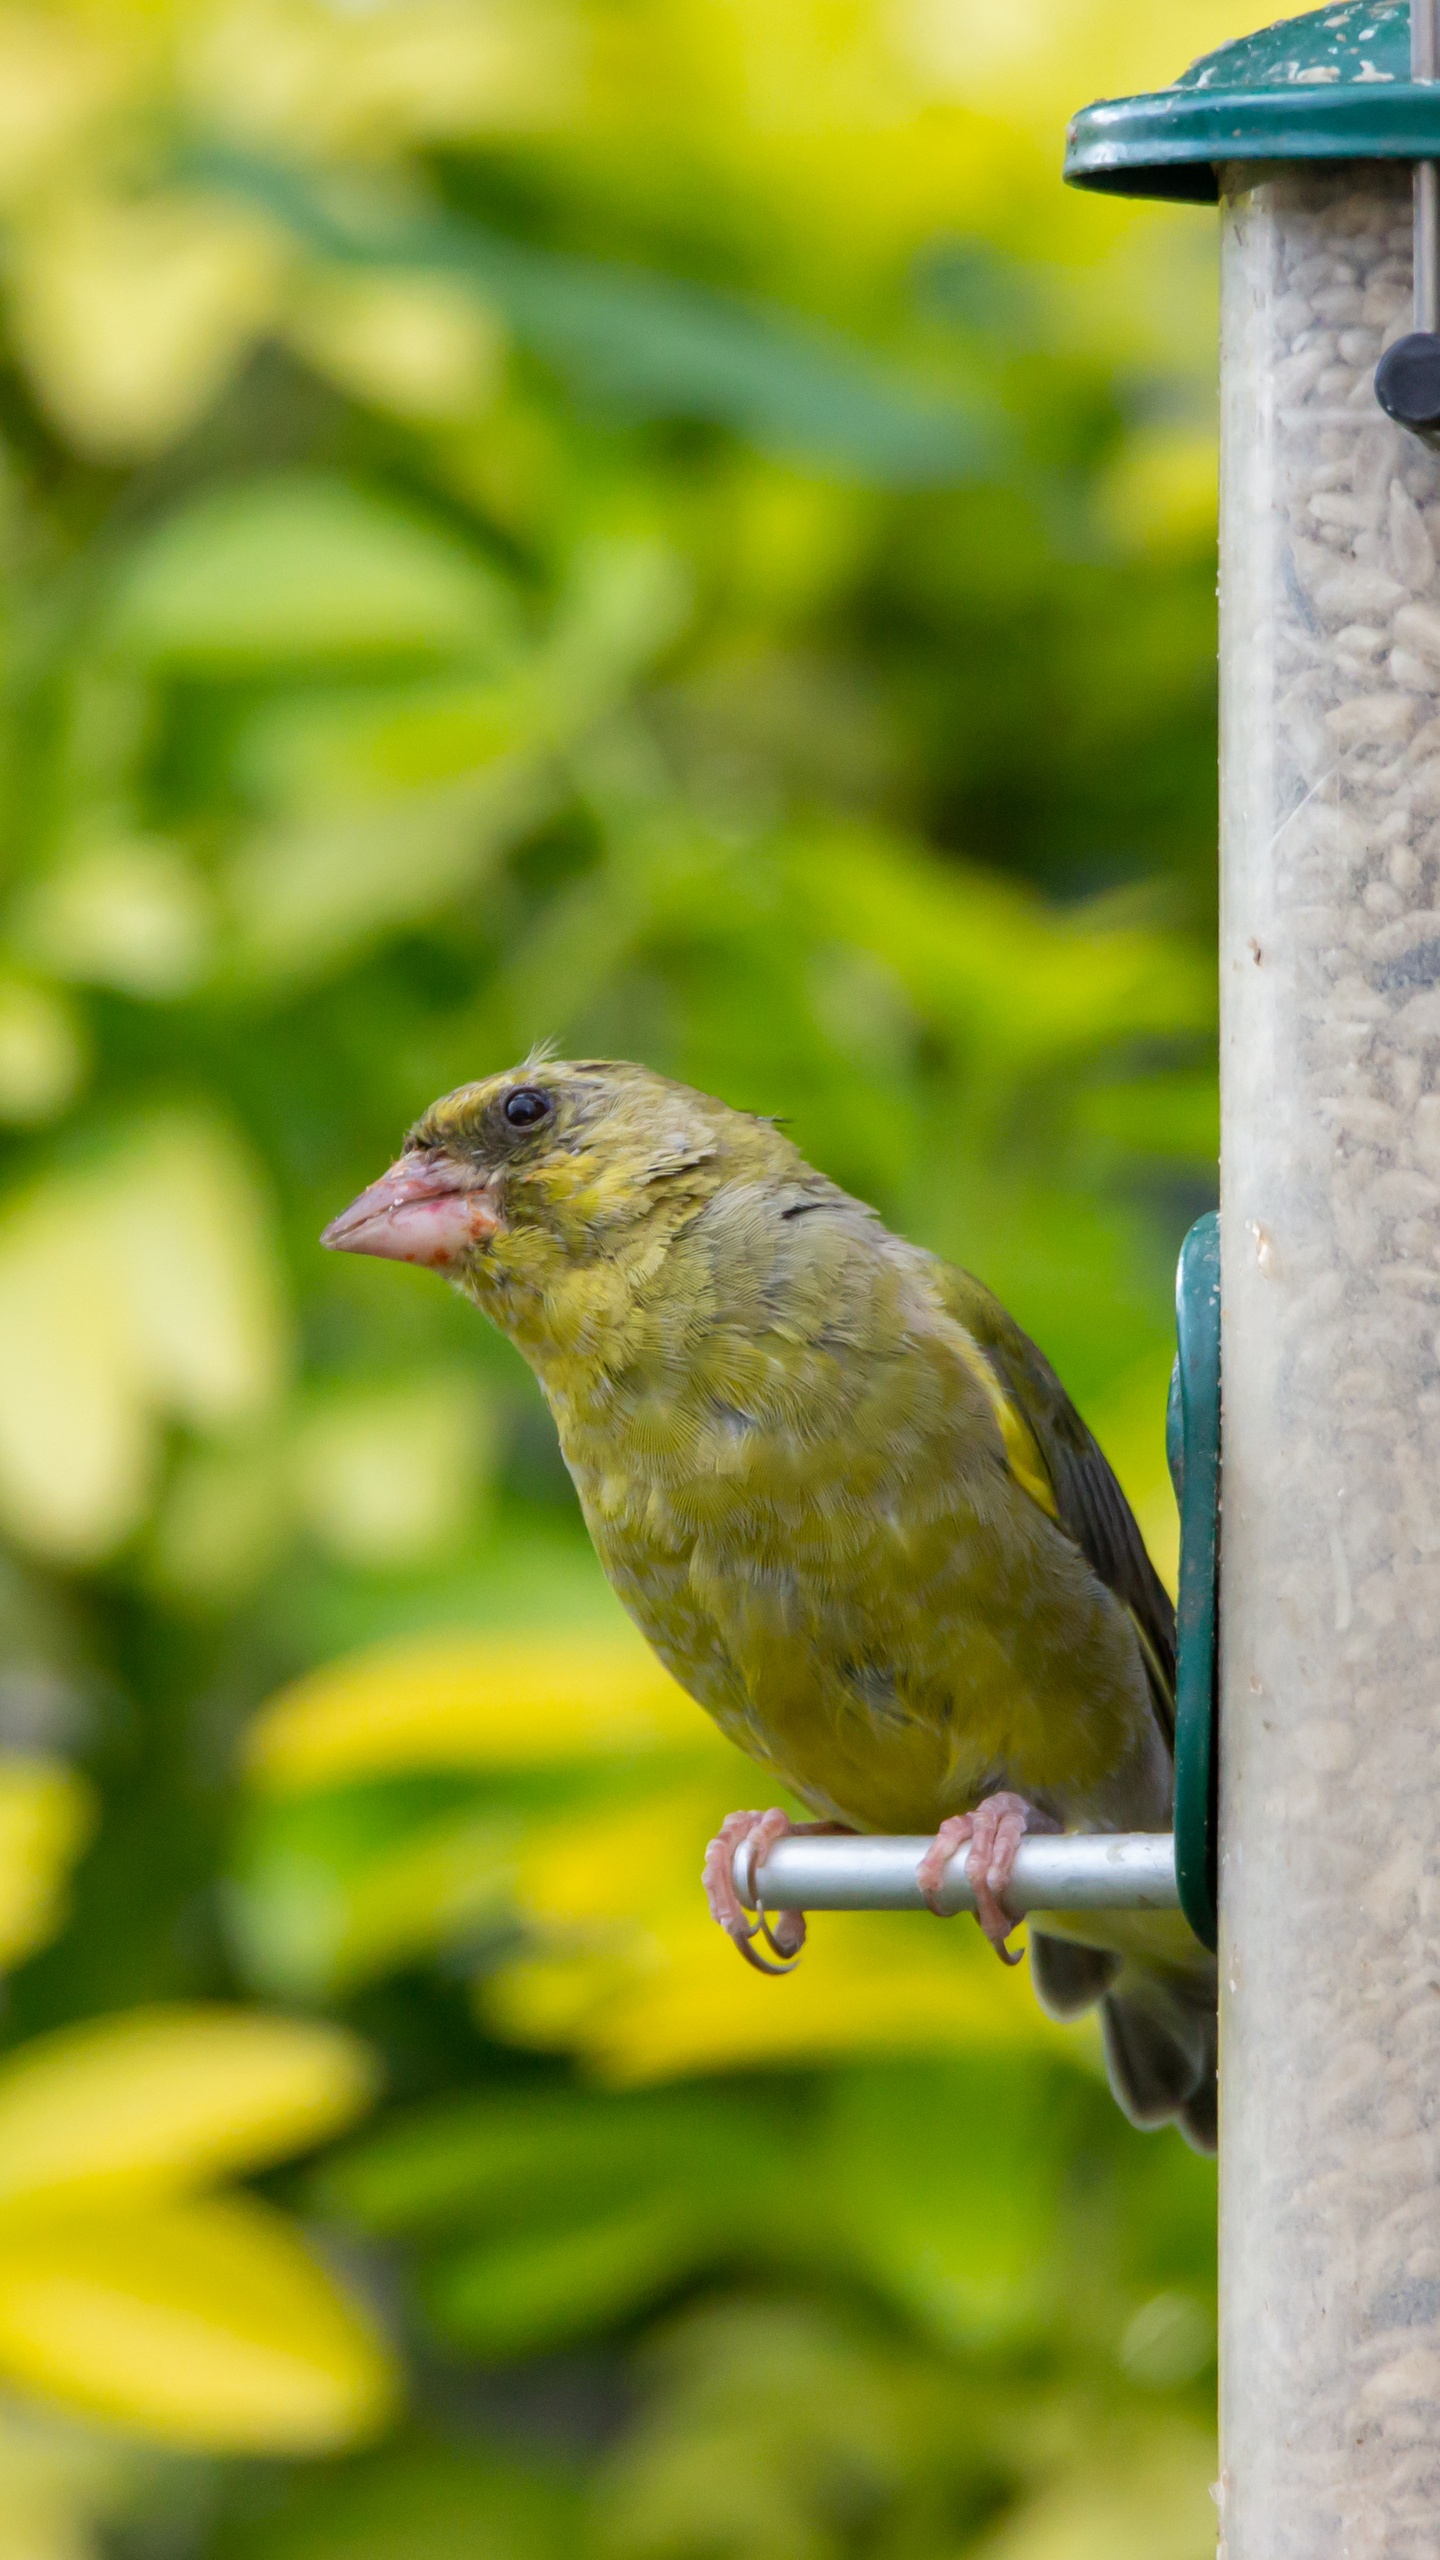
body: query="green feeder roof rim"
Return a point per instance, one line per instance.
(1171, 144)
(1332, 85)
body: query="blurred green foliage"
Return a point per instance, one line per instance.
(651, 524)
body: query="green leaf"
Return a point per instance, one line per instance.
(512, 2297)
(786, 2430)
(549, 2213)
(1174, 1116)
(299, 570)
(341, 1888)
(653, 346)
(498, 2157)
(425, 2501)
(407, 798)
(305, 897)
(1020, 984)
(946, 2179)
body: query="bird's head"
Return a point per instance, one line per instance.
(556, 1162)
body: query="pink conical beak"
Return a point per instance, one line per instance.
(426, 1209)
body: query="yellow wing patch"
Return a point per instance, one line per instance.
(1021, 1447)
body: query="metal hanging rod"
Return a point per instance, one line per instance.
(1077, 1871)
(1425, 65)
(1407, 377)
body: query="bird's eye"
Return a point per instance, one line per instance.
(527, 1106)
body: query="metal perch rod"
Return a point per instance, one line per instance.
(1079, 1871)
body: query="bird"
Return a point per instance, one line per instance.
(845, 1498)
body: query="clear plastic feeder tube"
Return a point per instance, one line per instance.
(1330, 1794)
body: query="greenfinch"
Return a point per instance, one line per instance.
(844, 1497)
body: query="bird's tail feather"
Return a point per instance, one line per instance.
(1157, 2027)
(1069, 1978)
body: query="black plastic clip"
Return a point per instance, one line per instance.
(1407, 384)
(1192, 1439)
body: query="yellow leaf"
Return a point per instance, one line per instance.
(422, 346)
(42, 1052)
(139, 1286)
(501, 1702)
(674, 2000)
(75, 1452)
(206, 2324)
(123, 911)
(130, 316)
(1134, 2497)
(1162, 495)
(58, 2478)
(225, 1516)
(55, 79)
(160, 2100)
(45, 1819)
(193, 1258)
(627, 1968)
(311, 78)
(623, 1964)
(388, 1474)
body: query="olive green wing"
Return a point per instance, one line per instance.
(1088, 1502)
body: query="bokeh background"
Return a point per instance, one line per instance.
(654, 524)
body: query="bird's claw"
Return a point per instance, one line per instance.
(993, 1833)
(761, 1929)
(785, 1938)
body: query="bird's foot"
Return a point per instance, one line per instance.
(786, 1935)
(761, 1830)
(994, 1832)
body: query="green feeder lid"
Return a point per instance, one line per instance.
(1333, 85)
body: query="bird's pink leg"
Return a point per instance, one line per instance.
(994, 1831)
(786, 1933)
(783, 1931)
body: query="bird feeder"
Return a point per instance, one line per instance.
(1319, 140)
